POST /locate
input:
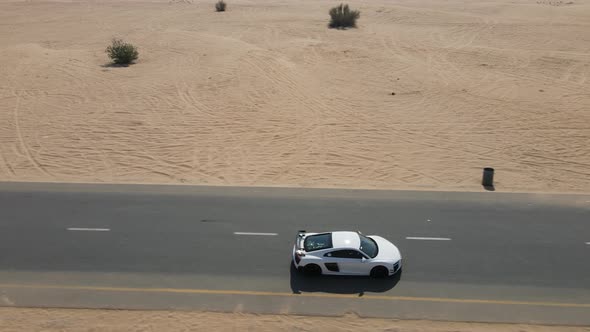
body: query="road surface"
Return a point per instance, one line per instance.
(467, 256)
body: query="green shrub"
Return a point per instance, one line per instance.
(220, 6)
(342, 17)
(122, 53)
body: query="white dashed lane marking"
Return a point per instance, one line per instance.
(261, 234)
(89, 229)
(428, 238)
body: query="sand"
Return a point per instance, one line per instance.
(64, 320)
(266, 95)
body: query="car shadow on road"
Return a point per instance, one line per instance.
(341, 284)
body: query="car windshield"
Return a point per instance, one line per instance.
(369, 246)
(318, 242)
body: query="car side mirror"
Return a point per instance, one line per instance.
(363, 259)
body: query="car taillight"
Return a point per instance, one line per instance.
(298, 256)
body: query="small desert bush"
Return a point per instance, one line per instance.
(342, 17)
(220, 6)
(122, 53)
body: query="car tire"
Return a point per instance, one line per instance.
(379, 272)
(312, 270)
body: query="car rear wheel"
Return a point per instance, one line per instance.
(312, 270)
(379, 272)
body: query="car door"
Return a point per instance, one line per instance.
(354, 262)
(344, 261)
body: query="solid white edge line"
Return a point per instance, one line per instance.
(88, 229)
(249, 233)
(428, 238)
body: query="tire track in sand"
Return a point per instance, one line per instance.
(21, 141)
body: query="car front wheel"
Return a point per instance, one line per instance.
(379, 272)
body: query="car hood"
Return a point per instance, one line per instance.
(387, 251)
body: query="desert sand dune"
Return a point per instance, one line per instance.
(421, 96)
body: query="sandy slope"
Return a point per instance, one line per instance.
(63, 320)
(265, 94)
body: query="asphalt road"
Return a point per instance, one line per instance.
(505, 257)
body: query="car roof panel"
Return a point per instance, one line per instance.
(345, 240)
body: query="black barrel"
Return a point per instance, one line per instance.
(488, 177)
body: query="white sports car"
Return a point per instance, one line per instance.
(345, 253)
